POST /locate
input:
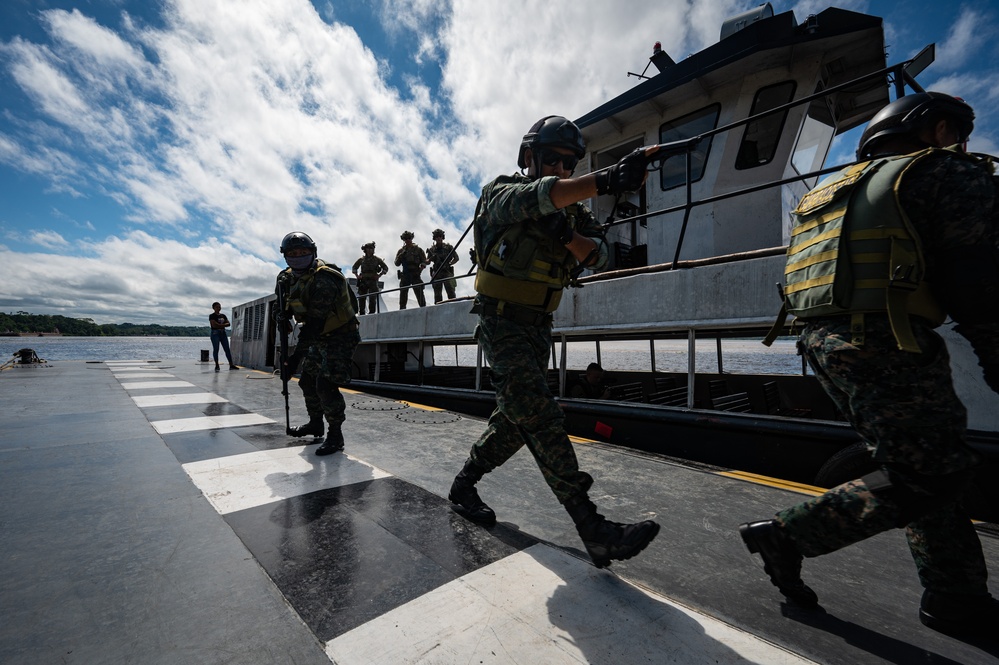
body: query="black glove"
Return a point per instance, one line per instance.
(556, 226)
(628, 175)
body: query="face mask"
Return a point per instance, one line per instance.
(300, 263)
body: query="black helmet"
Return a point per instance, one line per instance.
(367, 245)
(407, 235)
(909, 114)
(552, 131)
(438, 232)
(297, 239)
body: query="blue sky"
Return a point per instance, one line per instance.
(153, 153)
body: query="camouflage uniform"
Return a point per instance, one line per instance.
(412, 260)
(442, 259)
(518, 352)
(903, 404)
(327, 363)
(371, 269)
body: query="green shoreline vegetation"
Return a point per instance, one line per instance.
(23, 322)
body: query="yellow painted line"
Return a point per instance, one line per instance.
(420, 406)
(773, 482)
(579, 439)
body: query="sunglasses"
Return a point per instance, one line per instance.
(568, 162)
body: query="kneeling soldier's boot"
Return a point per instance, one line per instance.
(333, 442)
(315, 427)
(608, 541)
(781, 560)
(466, 499)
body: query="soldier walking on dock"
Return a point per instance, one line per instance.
(880, 254)
(318, 296)
(530, 233)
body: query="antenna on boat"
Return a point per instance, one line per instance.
(659, 58)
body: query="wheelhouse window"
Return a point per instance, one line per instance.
(674, 171)
(759, 141)
(814, 140)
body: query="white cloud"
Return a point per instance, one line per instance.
(964, 39)
(48, 239)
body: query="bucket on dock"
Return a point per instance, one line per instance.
(204, 355)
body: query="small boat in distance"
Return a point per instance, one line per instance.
(696, 255)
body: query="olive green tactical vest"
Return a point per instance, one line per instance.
(526, 267)
(343, 311)
(853, 251)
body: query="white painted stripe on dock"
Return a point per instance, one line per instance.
(122, 363)
(208, 422)
(542, 605)
(146, 401)
(140, 385)
(127, 370)
(243, 481)
(141, 373)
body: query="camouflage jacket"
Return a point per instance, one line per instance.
(411, 258)
(511, 199)
(952, 203)
(438, 255)
(371, 267)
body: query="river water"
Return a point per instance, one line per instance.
(106, 348)
(740, 356)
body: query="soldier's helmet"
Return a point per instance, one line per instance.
(552, 131)
(297, 239)
(909, 114)
(407, 235)
(438, 233)
(368, 245)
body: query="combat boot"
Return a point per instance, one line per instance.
(960, 613)
(466, 499)
(781, 560)
(333, 442)
(607, 541)
(315, 427)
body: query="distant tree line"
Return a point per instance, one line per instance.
(22, 322)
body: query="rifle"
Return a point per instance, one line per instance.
(282, 322)
(656, 155)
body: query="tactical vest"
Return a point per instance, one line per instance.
(298, 297)
(526, 267)
(853, 251)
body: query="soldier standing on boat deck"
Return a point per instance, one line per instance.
(523, 222)
(920, 213)
(412, 261)
(318, 296)
(442, 257)
(371, 270)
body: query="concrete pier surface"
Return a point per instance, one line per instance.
(156, 512)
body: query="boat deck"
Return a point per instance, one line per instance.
(156, 512)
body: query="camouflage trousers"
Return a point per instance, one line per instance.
(366, 285)
(444, 282)
(904, 407)
(526, 412)
(325, 368)
(417, 286)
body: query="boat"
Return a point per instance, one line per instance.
(696, 257)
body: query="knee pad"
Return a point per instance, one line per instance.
(914, 493)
